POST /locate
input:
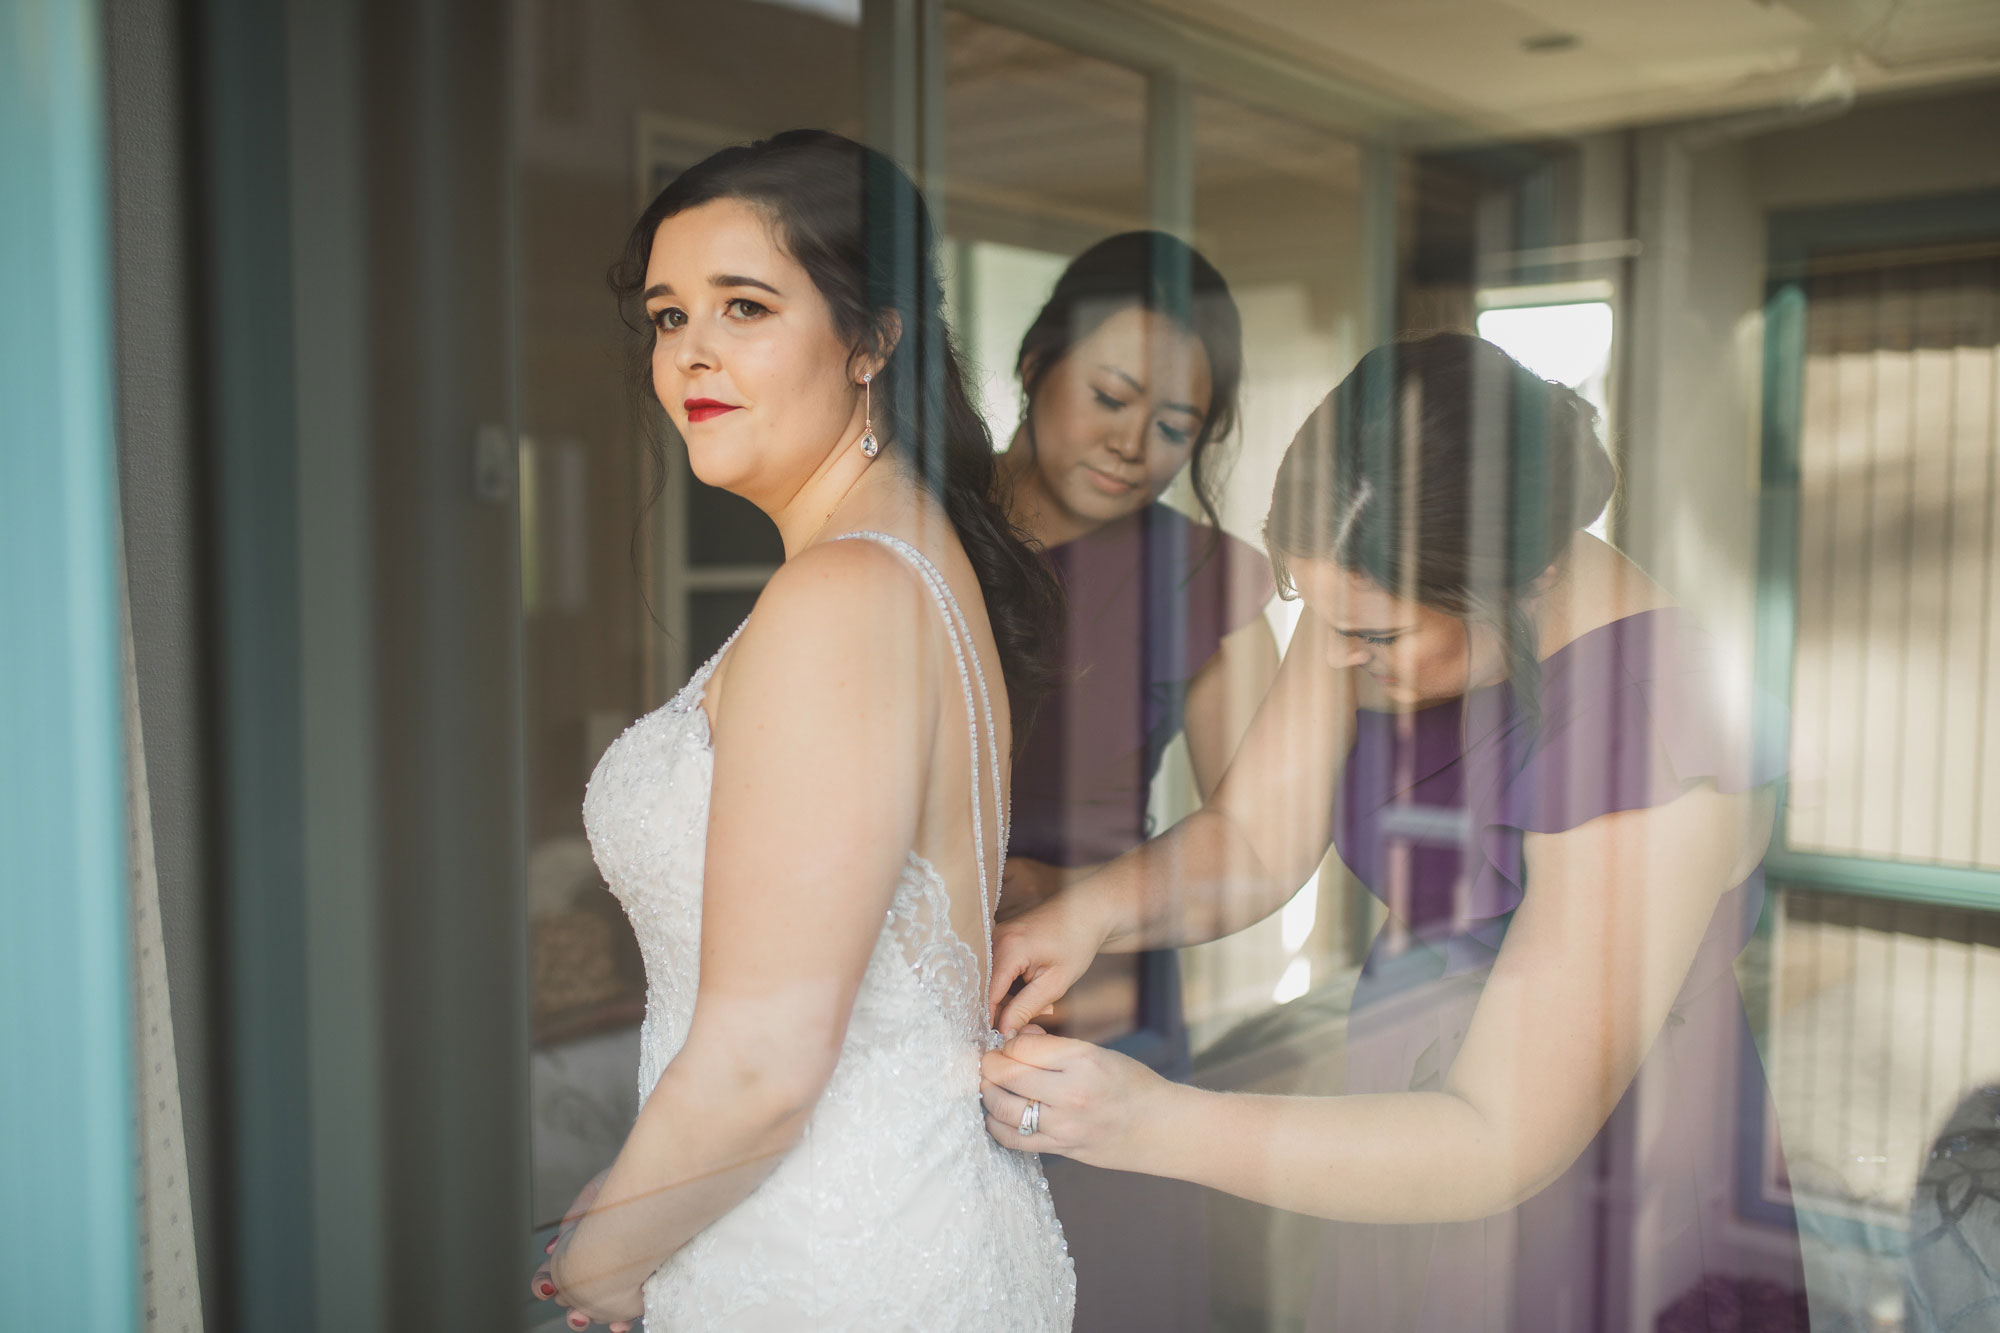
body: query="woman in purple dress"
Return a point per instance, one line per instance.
(1129, 376)
(1517, 742)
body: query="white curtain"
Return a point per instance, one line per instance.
(170, 1289)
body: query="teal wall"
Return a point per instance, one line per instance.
(67, 1192)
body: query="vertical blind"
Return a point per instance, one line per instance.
(1896, 723)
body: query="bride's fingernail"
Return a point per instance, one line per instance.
(548, 1288)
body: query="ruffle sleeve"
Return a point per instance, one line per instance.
(1203, 585)
(1630, 721)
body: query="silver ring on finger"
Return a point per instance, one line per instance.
(1031, 1119)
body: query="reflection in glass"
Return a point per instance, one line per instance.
(620, 599)
(724, 529)
(1277, 206)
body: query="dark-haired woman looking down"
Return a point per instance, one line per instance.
(1518, 742)
(1129, 376)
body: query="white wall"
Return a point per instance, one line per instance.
(1691, 436)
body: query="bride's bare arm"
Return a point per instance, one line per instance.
(1261, 834)
(821, 734)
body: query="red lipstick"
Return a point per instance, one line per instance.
(706, 409)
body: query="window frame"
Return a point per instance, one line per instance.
(1794, 238)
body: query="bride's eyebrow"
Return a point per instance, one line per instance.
(738, 280)
(719, 280)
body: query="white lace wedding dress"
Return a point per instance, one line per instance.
(897, 1211)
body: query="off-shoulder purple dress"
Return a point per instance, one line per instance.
(1433, 808)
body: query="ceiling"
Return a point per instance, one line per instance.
(1477, 67)
(1046, 148)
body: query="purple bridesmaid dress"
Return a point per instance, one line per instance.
(1643, 1231)
(1150, 599)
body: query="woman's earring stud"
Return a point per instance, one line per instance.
(870, 446)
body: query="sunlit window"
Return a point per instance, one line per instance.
(1562, 332)
(995, 292)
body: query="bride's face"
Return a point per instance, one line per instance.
(746, 359)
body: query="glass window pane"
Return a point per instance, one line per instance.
(996, 291)
(1277, 208)
(1045, 152)
(712, 618)
(1044, 147)
(612, 108)
(1045, 156)
(725, 529)
(1760, 238)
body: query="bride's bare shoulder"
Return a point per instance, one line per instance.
(836, 607)
(839, 583)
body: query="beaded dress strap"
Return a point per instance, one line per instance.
(959, 631)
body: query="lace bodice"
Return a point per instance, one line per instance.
(897, 1210)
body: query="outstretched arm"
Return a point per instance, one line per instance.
(1261, 834)
(827, 679)
(1591, 964)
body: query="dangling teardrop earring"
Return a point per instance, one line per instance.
(870, 446)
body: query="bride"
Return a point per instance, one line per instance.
(809, 837)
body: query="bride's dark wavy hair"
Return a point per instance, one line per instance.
(858, 226)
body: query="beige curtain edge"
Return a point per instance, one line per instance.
(169, 1285)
